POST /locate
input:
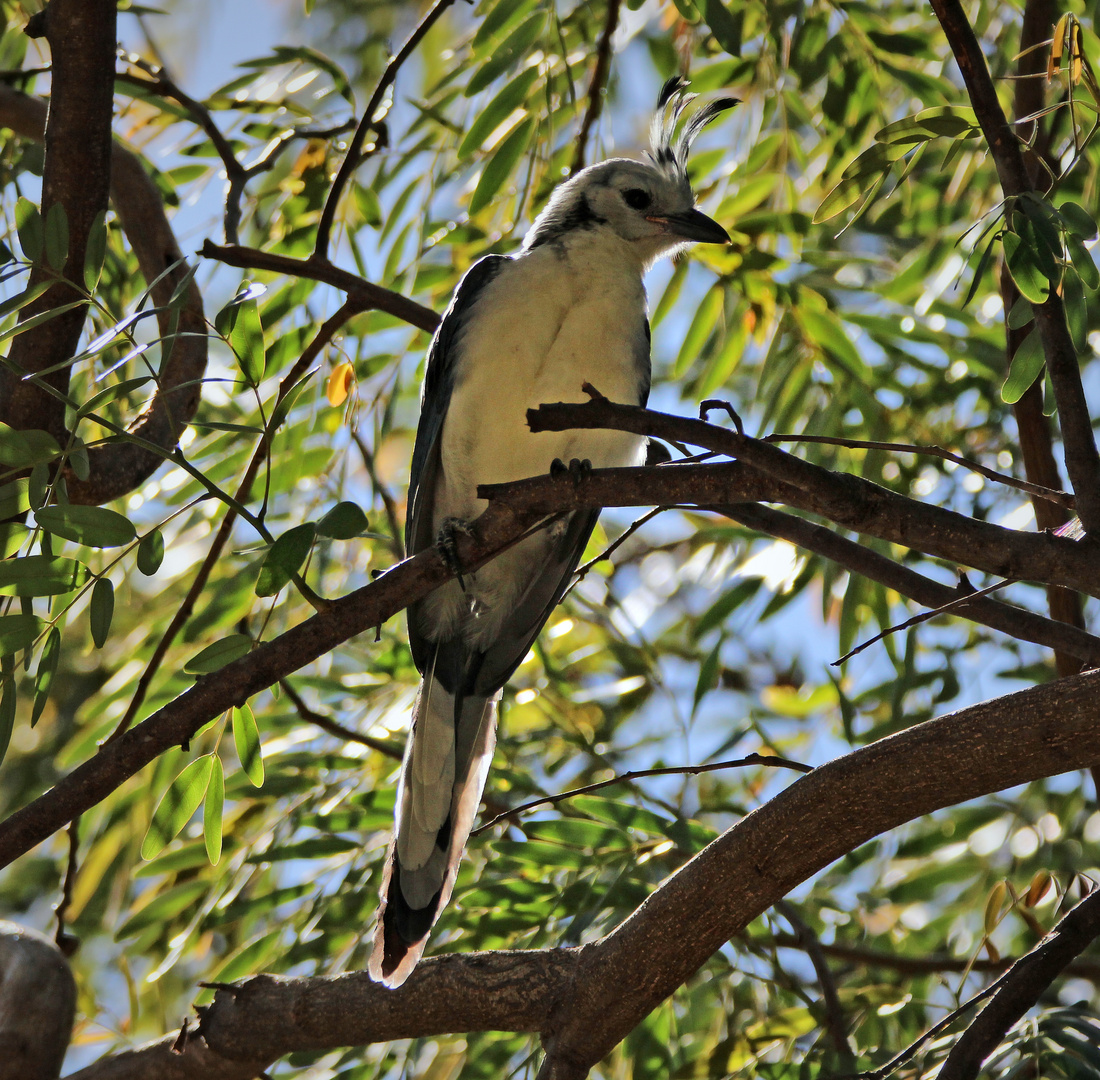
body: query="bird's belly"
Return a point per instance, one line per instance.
(485, 438)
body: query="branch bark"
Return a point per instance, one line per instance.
(81, 36)
(118, 468)
(1082, 458)
(584, 1001)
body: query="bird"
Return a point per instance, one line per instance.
(568, 309)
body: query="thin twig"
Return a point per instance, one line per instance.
(65, 941)
(323, 336)
(366, 294)
(1062, 498)
(924, 616)
(352, 159)
(638, 774)
(582, 571)
(597, 86)
(835, 1021)
(333, 728)
(388, 502)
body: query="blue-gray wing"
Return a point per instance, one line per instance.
(435, 399)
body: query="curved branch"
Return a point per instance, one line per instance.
(118, 468)
(583, 1001)
(1082, 457)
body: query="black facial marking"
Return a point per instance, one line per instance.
(578, 216)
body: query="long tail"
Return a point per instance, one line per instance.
(443, 775)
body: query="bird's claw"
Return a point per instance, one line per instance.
(576, 468)
(445, 542)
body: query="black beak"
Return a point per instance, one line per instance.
(694, 225)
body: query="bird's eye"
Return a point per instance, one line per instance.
(636, 198)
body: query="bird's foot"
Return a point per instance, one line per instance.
(576, 468)
(445, 541)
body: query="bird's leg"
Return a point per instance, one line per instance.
(445, 541)
(576, 468)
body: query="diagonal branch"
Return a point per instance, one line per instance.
(598, 87)
(1082, 458)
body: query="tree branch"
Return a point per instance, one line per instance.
(75, 182)
(368, 296)
(583, 1001)
(1021, 987)
(1082, 458)
(598, 87)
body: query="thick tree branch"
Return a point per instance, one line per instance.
(1020, 988)
(844, 499)
(1082, 458)
(118, 467)
(367, 296)
(583, 1001)
(75, 182)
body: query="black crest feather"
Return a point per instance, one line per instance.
(669, 150)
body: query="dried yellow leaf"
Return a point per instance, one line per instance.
(340, 383)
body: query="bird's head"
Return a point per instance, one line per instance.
(649, 203)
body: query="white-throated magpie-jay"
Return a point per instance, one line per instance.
(520, 331)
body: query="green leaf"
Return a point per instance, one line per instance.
(1023, 265)
(93, 526)
(500, 166)
(513, 49)
(500, 16)
(246, 739)
(95, 251)
(344, 521)
(57, 236)
(14, 498)
(43, 677)
(217, 655)
(498, 110)
(177, 805)
(1024, 369)
(708, 675)
(164, 907)
(31, 230)
(725, 605)
(18, 632)
(150, 553)
(26, 448)
(1083, 262)
(41, 575)
(366, 201)
(212, 811)
(945, 120)
(239, 323)
(1077, 312)
(284, 557)
(1078, 220)
(101, 610)
(726, 27)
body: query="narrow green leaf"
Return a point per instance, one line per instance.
(246, 738)
(1077, 312)
(498, 18)
(77, 457)
(38, 486)
(94, 526)
(95, 251)
(498, 110)
(150, 553)
(7, 709)
(1024, 369)
(1078, 220)
(284, 557)
(511, 51)
(177, 805)
(212, 811)
(14, 498)
(501, 165)
(1083, 262)
(18, 632)
(43, 677)
(342, 522)
(101, 610)
(726, 26)
(217, 655)
(239, 323)
(57, 236)
(41, 575)
(164, 907)
(366, 202)
(1024, 267)
(725, 605)
(31, 230)
(708, 675)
